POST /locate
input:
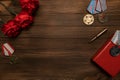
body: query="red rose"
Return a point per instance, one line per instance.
(29, 5)
(24, 19)
(11, 29)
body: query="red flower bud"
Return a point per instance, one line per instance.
(24, 19)
(29, 5)
(11, 29)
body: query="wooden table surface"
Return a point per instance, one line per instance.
(56, 46)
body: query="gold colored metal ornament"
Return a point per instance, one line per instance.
(88, 19)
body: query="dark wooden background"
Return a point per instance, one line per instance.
(56, 46)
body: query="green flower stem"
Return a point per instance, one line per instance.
(13, 60)
(10, 10)
(1, 22)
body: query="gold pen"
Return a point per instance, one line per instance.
(98, 35)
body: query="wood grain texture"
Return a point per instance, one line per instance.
(56, 46)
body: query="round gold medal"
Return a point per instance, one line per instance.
(88, 19)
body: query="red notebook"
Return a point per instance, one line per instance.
(108, 57)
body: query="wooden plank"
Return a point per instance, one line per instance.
(76, 32)
(69, 20)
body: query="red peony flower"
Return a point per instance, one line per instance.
(29, 5)
(24, 19)
(11, 29)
